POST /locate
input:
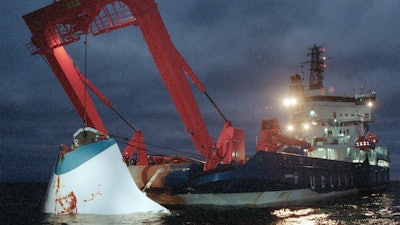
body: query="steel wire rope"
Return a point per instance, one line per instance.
(85, 85)
(159, 146)
(165, 147)
(153, 145)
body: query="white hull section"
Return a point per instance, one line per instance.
(262, 199)
(100, 185)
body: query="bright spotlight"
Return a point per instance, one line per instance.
(290, 102)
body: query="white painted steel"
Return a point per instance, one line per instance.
(102, 185)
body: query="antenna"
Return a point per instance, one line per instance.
(317, 67)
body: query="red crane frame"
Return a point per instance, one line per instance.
(64, 21)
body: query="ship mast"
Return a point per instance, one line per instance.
(317, 66)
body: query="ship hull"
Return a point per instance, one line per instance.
(268, 179)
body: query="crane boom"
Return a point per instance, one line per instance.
(169, 64)
(64, 21)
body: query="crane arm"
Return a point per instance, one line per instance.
(64, 21)
(169, 64)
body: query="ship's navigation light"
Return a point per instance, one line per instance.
(322, 60)
(313, 114)
(370, 104)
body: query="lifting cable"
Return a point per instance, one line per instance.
(98, 94)
(85, 72)
(123, 118)
(123, 140)
(189, 72)
(216, 107)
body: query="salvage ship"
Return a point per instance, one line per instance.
(328, 150)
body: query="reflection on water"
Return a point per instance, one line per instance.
(302, 217)
(372, 209)
(135, 218)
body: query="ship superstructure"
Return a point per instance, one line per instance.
(336, 125)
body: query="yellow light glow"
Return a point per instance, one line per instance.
(370, 104)
(290, 101)
(290, 127)
(302, 217)
(306, 126)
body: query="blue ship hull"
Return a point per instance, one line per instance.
(299, 179)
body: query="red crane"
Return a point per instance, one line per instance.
(64, 21)
(271, 139)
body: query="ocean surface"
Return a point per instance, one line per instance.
(21, 203)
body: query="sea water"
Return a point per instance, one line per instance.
(21, 203)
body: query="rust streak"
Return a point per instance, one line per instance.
(67, 204)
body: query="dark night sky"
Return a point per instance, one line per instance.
(242, 51)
